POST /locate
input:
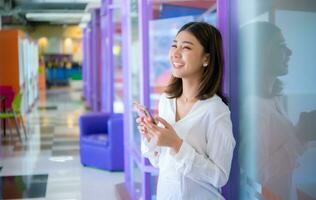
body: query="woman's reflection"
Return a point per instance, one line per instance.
(277, 145)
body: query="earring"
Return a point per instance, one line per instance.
(205, 65)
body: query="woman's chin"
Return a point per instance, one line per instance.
(178, 72)
(284, 71)
(177, 75)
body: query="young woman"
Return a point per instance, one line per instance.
(193, 144)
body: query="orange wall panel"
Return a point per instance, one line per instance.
(9, 58)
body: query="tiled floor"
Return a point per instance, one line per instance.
(47, 164)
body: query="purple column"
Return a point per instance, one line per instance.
(144, 10)
(96, 60)
(144, 57)
(89, 67)
(104, 56)
(223, 26)
(107, 28)
(227, 23)
(84, 62)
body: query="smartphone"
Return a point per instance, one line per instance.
(143, 111)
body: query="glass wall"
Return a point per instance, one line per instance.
(276, 98)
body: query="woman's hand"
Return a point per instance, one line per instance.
(165, 136)
(305, 128)
(142, 128)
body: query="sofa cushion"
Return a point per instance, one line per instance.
(98, 139)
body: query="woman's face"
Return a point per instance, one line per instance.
(278, 55)
(187, 56)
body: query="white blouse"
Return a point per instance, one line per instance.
(202, 165)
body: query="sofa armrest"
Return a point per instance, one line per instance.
(116, 129)
(92, 123)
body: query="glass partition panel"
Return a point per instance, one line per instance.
(136, 179)
(277, 98)
(153, 186)
(117, 62)
(134, 63)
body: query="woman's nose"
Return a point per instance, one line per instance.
(176, 52)
(289, 51)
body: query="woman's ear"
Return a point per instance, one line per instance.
(206, 58)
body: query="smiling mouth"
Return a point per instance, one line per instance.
(177, 65)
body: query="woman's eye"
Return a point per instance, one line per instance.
(174, 46)
(187, 48)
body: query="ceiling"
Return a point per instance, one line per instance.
(46, 12)
(67, 12)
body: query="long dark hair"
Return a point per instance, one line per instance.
(211, 80)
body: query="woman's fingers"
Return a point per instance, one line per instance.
(152, 128)
(139, 120)
(146, 127)
(145, 130)
(147, 120)
(142, 128)
(163, 122)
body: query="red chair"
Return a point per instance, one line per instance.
(8, 93)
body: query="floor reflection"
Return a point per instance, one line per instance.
(32, 186)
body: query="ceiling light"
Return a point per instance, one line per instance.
(54, 16)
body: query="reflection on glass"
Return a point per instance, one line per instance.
(134, 63)
(273, 144)
(117, 63)
(136, 179)
(136, 136)
(153, 186)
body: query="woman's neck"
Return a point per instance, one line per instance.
(266, 86)
(190, 89)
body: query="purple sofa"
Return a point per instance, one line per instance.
(101, 141)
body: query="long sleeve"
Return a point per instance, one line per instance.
(150, 151)
(214, 166)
